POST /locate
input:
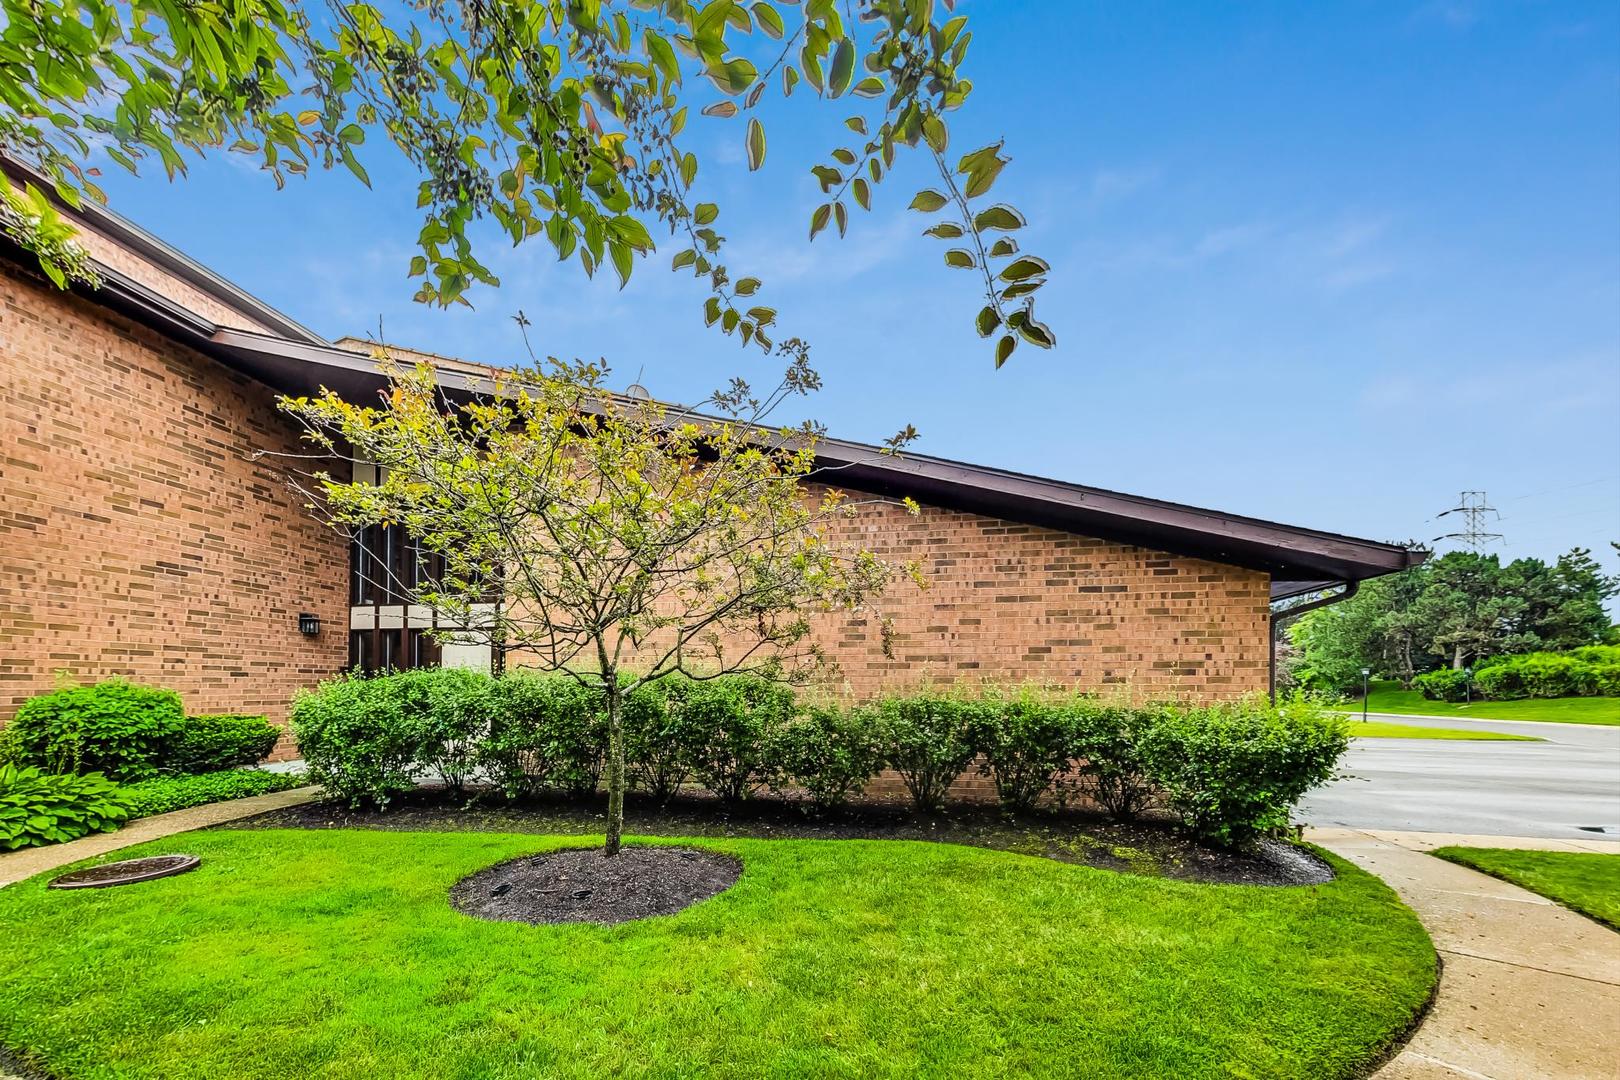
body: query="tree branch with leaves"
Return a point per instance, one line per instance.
(561, 119)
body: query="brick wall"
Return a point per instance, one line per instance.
(1008, 602)
(137, 537)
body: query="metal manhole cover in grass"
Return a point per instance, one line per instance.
(126, 872)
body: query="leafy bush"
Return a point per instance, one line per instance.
(114, 727)
(44, 808)
(545, 730)
(460, 709)
(1593, 671)
(1106, 740)
(1232, 772)
(1447, 684)
(1027, 745)
(830, 753)
(219, 741)
(364, 739)
(662, 736)
(735, 719)
(929, 740)
(165, 793)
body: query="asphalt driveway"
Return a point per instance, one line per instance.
(1567, 786)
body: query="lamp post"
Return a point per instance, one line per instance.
(1365, 674)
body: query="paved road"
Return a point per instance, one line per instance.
(1550, 788)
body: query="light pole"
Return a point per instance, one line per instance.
(1365, 673)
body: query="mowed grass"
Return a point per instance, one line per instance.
(335, 954)
(1382, 729)
(1388, 697)
(1588, 883)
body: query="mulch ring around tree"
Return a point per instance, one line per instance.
(1149, 847)
(584, 885)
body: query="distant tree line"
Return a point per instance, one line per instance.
(1453, 611)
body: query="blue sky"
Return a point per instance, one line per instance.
(1324, 264)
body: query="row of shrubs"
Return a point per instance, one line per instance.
(84, 759)
(1591, 671)
(1230, 773)
(129, 732)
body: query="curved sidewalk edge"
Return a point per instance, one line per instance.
(17, 865)
(1527, 988)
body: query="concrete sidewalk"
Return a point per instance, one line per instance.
(1527, 988)
(17, 865)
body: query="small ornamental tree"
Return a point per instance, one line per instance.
(617, 541)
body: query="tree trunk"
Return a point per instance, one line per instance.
(1457, 658)
(615, 821)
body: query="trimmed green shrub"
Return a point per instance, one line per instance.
(44, 808)
(1232, 772)
(929, 740)
(113, 727)
(162, 794)
(735, 718)
(461, 706)
(1106, 740)
(1593, 671)
(544, 730)
(662, 736)
(1447, 684)
(219, 741)
(365, 739)
(830, 753)
(1027, 746)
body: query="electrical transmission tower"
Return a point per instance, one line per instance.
(1472, 506)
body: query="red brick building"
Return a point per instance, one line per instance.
(142, 535)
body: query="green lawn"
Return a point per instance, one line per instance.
(1588, 883)
(1383, 729)
(335, 954)
(1388, 697)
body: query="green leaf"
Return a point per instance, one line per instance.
(1027, 267)
(722, 109)
(756, 143)
(732, 76)
(944, 231)
(1000, 216)
(863, 193)
(711, 310)
(987, 321)
(662, 54)
(1003, 247)
(746, 286)
(960, 258)
(1004, 349)
(871, 86)
(768, 19)
(1036, 333)
(981, 168)
(705, 212)
(843, 67)
(934, 132)
(841, 215)
(818, 220)
(928, 201)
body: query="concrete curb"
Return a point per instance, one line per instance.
(1527, 988)
(16, 866)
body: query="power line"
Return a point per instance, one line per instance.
(1473, 507)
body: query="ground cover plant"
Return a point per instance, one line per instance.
(48, 808)
(1588, 883)
(1230, 772)
(336, 954)
(1388, 697)
(162, 794)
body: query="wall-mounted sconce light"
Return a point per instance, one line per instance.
(309, 624)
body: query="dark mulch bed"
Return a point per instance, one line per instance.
(583, 885)
(1074, 836)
